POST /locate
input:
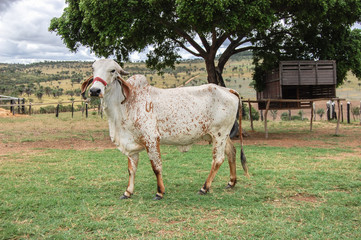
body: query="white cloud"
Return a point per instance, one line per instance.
(5, 4)
(24, 35)
(24, 32)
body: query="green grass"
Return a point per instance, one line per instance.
(293, 193)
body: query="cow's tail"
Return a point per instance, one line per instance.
(243, 156)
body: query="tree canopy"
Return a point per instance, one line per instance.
(274, 30)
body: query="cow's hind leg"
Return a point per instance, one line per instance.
(218, 158)
(132, 168)
(153, 150)
(231, 156)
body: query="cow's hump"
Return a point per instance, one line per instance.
(138, 81)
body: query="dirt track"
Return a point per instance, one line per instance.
(31, 136)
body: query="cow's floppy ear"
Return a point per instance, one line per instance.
(126, 88)
(85, 85)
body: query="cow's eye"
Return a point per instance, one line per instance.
(112, 71)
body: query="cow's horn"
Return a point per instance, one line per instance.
(122, 72)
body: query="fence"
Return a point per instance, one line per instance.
(21, 105)
(331, 113)
(13, 100)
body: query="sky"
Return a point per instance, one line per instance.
(24, 35)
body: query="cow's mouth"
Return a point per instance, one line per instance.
(96, 92)
(96, 95)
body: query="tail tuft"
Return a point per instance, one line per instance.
(243, 156)
(244, 163)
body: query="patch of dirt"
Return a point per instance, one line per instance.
(38, 146)
(39, 133)
(299, 197)
(7, 113)
(317, 138)
(340, 157)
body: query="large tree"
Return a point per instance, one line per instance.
(272, 29)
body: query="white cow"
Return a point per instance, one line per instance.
(144, 117)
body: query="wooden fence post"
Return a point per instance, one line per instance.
(334, 114)
(23, 105)
(72, 109)
(18, 105)
(86, 109)
(250, 113)
(29, 108)
(289, 115)
(328, 111)
(332, 110)
(11, 106)
(341, 112)
(312, 110)
(265, 118)
(348, 112)
(57, 111)
(338, 119)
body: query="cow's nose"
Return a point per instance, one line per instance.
(95, 92)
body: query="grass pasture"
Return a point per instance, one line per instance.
(61, 178)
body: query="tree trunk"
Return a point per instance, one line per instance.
(211, 72)
(214, 73)
(219, 77)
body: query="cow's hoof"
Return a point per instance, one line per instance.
(229, 186)
(202, 192)
(124, 197)
(157, 197)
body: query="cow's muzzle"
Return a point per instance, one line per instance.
(95, 92)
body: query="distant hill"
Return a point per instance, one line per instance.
(61, 80)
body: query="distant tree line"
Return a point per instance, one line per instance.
(26, 79)
(19, 79)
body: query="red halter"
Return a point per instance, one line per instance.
(100, 80)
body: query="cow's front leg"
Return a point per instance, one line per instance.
(153, 150)
(132, 168)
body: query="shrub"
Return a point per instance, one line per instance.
(320, 112)
(254, 112)
(284, 116)
(355, 112)
(274, 114)
(47, 109)
(52, 108)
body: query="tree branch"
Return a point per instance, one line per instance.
(246, 41)
(187, 49)
(191, 41)
(244, 49)
(228, 52)
(204, 41)
(221, 40)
